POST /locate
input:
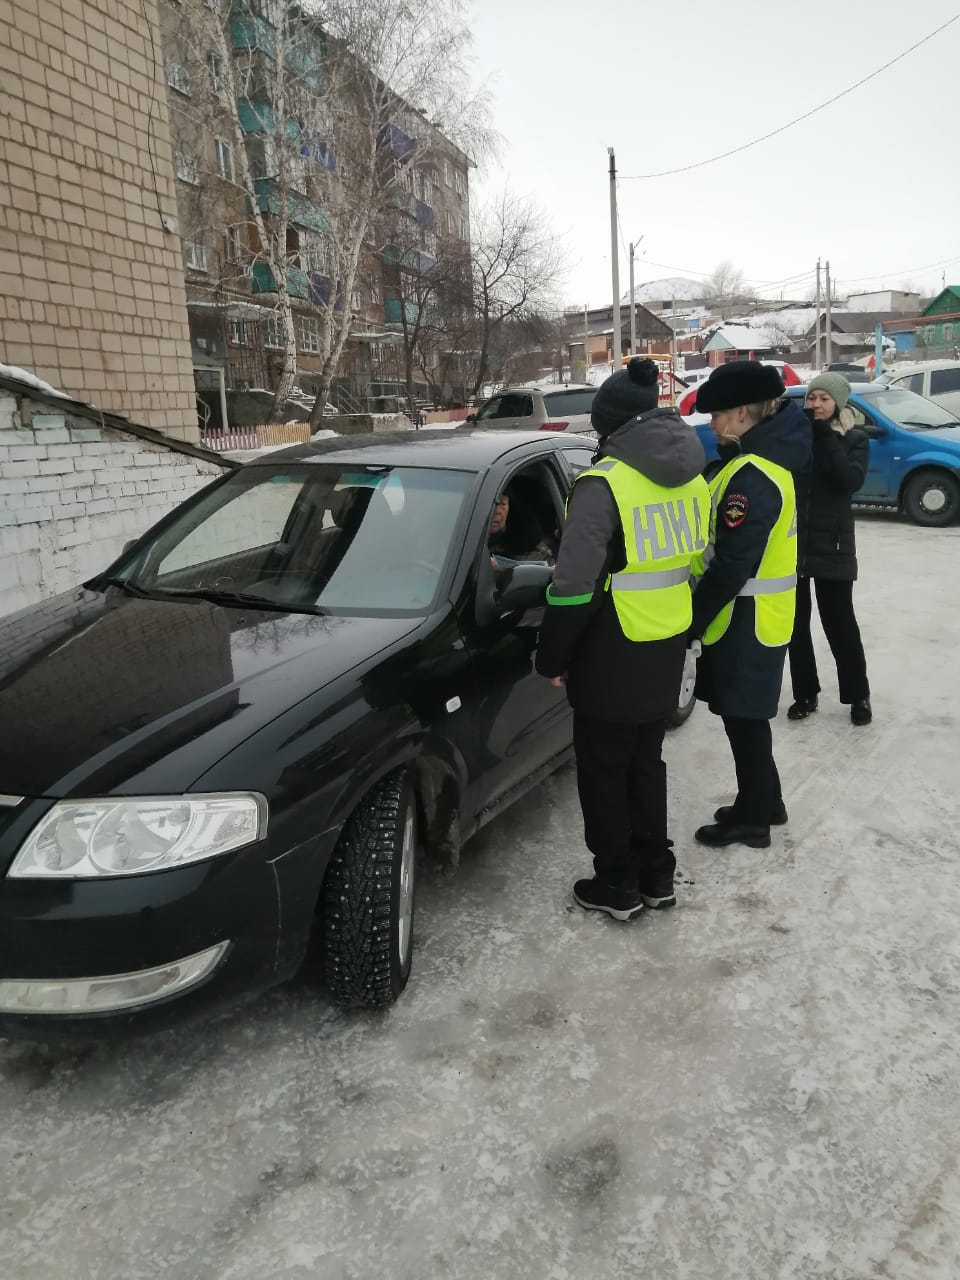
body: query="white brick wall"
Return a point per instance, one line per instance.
(72, 493)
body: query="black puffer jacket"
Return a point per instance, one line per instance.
(827, 546)
(610, 677)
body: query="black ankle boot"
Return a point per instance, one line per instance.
(721, 834)
(802, 708)
(861, 712)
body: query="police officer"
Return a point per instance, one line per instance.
(744, 602)
(615, 631)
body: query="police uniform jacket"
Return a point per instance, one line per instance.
(610, 677)
(738, 676)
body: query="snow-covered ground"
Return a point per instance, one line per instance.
(759, 1085)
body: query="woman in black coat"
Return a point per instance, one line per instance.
(827, 552)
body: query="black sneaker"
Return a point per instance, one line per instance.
(724, 833)
(861, 712)
(595, 895)
(802, 708)
(779, 819)
(660, 895)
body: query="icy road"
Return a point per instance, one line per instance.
(760, 1085)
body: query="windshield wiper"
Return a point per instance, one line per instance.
(927, 426)
(130, 588)
(240, 598)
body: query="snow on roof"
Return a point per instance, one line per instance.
(740, 337)
(31, 380)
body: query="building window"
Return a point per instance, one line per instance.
(463, 228)
(451, 226)
(447, 180)
(177, 77)
(195, 255)
(273, 332)
(314, 253)
(430, 243)
(238, 332)
(405, 179)
(356, 300)
(186, 168)
(232, 244)
(309, 334)
(375, 294)
(461, 184)
(215, 65)
(948, 332)
(224, 156)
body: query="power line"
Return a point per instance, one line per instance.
(700, 164)
(903, 271)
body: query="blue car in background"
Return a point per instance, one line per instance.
(914, 452)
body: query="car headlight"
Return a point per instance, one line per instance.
(83, 839)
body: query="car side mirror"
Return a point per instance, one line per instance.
(524, 587)
(129, 545)
(874, 432)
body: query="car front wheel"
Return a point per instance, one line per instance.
(368, 898)
(932, 498)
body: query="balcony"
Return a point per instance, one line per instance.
(250, 33)
(300, 211)
(408, 203)
(416, 261)
(392, 138)
(263, 281)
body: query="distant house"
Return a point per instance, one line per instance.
(852, 333)
(739, 342)
(595, 330)
(907, 304)
(938, 329)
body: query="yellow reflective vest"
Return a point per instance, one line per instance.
(774, 589)
(663, 531)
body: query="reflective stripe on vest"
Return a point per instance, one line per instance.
(663, 530)
(774, 587)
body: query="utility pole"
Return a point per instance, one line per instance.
(816, 349)
(633, 309)
(827, 320)
(586, 340)
(614, 261)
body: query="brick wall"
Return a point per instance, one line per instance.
(91, 284)
(72, 492)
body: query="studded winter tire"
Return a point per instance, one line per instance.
(368, 898)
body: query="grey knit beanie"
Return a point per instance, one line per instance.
(835, 385)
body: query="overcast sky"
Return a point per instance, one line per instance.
(872, 182)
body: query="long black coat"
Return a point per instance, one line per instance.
(827, 546)
(738, 676)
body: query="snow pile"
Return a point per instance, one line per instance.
(31, 380)
(676, 288)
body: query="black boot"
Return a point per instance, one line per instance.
(726, 813)
(860, 712)
(658, 894)
(597, 895)
(723, 833)
(802, 708)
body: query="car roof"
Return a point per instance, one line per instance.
(454, 449)
(544, 388)
(918, 366)
(856, 389)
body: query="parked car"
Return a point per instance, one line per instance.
(914, 452)
(852, 371)
(554, 406)
(686, 405)
(939, 380)
(249, 725)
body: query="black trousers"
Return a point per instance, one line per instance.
(835, 605)
(622, 782)
(758, 783)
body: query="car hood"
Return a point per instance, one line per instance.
(102, 694)
(943, 435)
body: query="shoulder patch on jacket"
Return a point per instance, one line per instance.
(735, 507)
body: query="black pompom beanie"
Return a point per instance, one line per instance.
(739, 382)
(632, 391)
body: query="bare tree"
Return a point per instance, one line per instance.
(725, 285)
(518, 265)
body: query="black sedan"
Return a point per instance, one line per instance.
(249, 725)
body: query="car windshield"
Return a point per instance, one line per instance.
(317, 538)
(908, 410)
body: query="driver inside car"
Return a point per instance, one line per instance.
(516, 535)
